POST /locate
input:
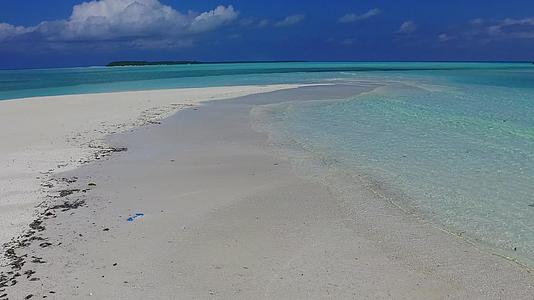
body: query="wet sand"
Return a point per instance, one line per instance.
(225, 216)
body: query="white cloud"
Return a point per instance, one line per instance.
(512, 28)
(349, 18)
(8, 30)
(213, 18)
(289, 21)
(443, 37)
(485, 31)
(120, 20)
(407, 27)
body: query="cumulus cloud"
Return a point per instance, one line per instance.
(350, 18)
(8, 30)
(135, 21)
(290, 21)
(213, 18)
(407, 27)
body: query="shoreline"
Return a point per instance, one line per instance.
(232, 219)
(59, 133)
(327, 170)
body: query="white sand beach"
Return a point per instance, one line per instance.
(42, 135)
(168, 149)
(223, 215)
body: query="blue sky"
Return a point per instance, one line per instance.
(36, 33)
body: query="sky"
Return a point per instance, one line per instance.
(61, 33)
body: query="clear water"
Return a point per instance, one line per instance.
(458, 143)
(46, 82)
(456, 138)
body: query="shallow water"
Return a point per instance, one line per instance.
(458, 145)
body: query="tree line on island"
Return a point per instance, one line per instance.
(125, 63)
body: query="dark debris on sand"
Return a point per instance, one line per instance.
(103, 152)
(16, 262)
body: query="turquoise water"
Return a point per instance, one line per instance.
(46, 82)
(458, 145)
(457, 139)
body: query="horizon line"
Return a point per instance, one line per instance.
(272, 61)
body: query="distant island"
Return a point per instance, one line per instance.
(125, 63)
(150, 63)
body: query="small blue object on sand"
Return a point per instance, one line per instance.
(137, 215)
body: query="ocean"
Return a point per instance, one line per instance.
(62, 81)
(456, 140)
